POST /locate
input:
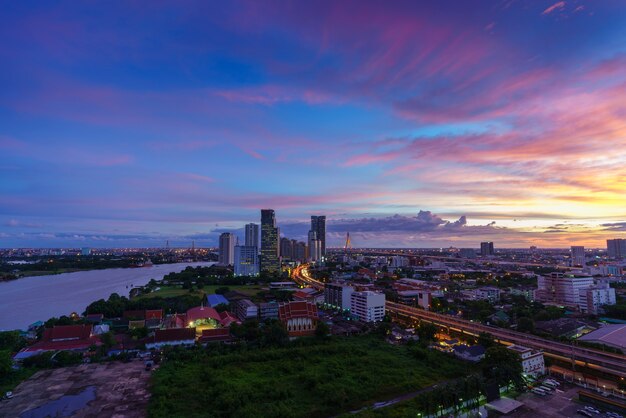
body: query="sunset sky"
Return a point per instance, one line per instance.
(409, 124)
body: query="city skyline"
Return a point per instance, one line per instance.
(409, 125)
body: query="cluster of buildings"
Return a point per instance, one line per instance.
(364, 305)
(265, 251)
(580, 292)
(201, 324)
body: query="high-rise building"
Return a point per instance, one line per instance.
(318, 224)
(616, 248)
(270, 255)
(227, 249)
(299, 250)
(252, 235)
(578, 256)
(315, 247)
(246, 260)
(486, 249)
(286, 248)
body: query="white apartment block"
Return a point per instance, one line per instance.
(368, 306)
(492, 294)
(246, 309)
(532, 361)
(593, 297)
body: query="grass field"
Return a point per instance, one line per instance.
(174, 291)
(323, 379)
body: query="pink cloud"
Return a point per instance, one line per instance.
(556, 6)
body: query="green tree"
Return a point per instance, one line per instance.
(525, 324)
(426, 331)
(503, 366)
(11, 340)
(222, 290)
(6, 363)
(486, 340)
(322, 330)
(274, 334)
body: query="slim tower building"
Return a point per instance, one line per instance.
(486, 249)
(578, 256)
(270, 255)
(252, 235)
(318, 224)
(227, 249)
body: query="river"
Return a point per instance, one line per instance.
(38, 298)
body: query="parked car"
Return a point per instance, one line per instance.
(8, 395)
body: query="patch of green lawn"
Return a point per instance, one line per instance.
(309, 380)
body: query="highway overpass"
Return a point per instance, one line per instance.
(610, 363)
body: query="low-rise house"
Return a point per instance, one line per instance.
(94, 318)
(151, 314)
(472, 353)
(215, 335)
(134, 315)
(172, 336)
(62, 338)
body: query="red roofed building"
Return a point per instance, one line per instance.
(134, 315)
(154, 314)
(172, 336)
(300, 317)
(300, 295)
(202, 313)
(227, 318)
(61, 338)
(214, 335)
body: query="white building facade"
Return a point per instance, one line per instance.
(532, 361)
(368, 306)
(226, 255)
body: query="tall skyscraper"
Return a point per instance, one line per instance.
(252, 235)
(486, 249)
(270, 255)
(616, 248)
(299, 251)
(578, 256)
(227, 249)
(318, 224)
(315, 247)
(246, 260)
(286, 248)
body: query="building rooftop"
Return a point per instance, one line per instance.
(613, 335)
(214, 300)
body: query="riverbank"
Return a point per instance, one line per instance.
(37, 298)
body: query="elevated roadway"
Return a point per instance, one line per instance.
(609, 363)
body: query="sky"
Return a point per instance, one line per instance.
(407, 123)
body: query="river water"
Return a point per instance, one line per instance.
(38, 298)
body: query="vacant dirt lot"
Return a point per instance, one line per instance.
(91, 390)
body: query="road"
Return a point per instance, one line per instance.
(610, 363)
